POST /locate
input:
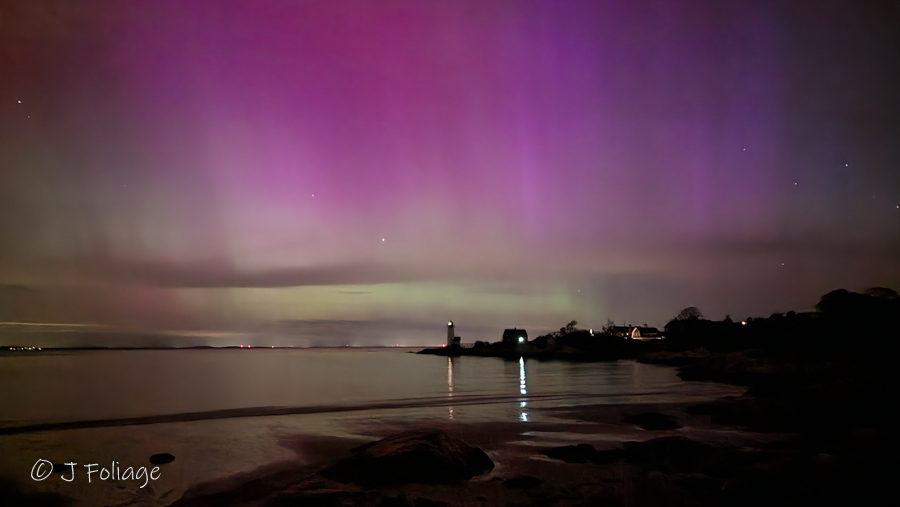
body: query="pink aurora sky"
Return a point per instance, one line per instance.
(224, 165)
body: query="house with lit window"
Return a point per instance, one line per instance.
(636, 332)
(645, 333)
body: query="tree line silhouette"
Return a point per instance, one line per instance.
(844, 324)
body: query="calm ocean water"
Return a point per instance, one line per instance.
(328, 392)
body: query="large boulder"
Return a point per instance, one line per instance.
(417, 456)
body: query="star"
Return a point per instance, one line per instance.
(18, 101)
(382, 240)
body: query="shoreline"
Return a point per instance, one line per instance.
(604, 348)
(793, 437)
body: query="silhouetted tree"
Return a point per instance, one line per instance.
(689, 313)
(608, 328)
(832, 300)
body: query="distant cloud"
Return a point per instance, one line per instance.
(218, 274)
(221, 274)
(198, 277)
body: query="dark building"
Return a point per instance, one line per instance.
(515, 336)
(620, 331)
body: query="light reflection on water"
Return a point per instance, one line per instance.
(450, 384)
(523, 390)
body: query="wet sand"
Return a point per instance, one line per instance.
(522, 475)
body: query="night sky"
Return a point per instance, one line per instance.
(234, 165)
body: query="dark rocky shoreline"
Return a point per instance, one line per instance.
(580, 346)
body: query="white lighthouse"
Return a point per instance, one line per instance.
(451, 333)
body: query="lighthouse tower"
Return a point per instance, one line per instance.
(451, 332)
